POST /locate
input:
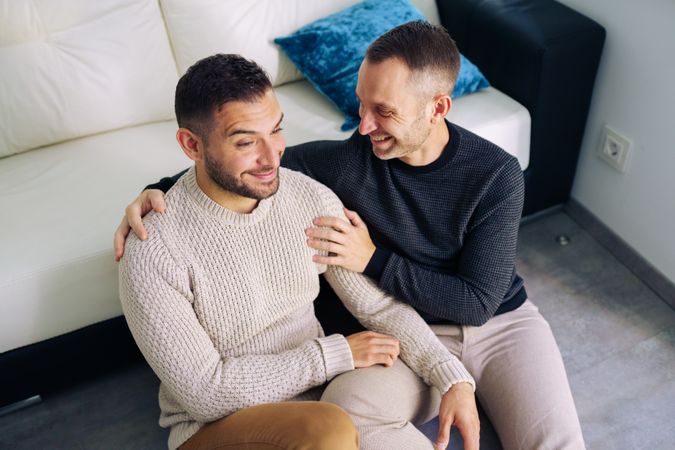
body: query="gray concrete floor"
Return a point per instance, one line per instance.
(616, 336)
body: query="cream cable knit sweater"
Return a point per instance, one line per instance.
(220, 305)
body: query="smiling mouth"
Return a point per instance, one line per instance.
(265, 176)
(379, 140)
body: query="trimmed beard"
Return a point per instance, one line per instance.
(229, 183)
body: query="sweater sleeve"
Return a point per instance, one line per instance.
(486, 264)
(377, 311)
(156, 297)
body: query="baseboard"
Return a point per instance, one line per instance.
(646, 272)
(540, 214)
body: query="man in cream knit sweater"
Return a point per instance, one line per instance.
(219, 297)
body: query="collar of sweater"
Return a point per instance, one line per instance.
(221, 213)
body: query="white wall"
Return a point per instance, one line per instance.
(635, 95)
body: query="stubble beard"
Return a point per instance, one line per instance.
(414, 140)
(236, 185)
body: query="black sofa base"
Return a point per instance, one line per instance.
(64, 361)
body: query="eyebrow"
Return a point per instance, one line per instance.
(243, 131)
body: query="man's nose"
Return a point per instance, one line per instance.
(269, 155)
(367, 124)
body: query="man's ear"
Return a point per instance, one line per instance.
(192, 145)
(441, 107)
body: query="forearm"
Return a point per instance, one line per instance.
(419, 347)
(446, 296)
(224, 385)
(210, 386)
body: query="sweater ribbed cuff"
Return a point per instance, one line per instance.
(376, 265)
(336, 354)
(448, 373)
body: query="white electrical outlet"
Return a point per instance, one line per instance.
(614, 149)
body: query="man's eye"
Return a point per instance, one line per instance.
(278, 130)
(384, 113)
(244, 144)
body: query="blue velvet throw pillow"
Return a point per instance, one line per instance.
(330, 50)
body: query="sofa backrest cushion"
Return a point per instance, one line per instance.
(200, 28)
(72, 68)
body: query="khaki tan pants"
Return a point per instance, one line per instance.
(279, 426)
(521, 384)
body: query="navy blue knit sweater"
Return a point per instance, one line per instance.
(445, 233)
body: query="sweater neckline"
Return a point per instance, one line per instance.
(221, 213)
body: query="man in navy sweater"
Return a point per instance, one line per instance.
(434, 213)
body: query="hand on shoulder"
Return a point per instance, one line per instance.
(148, 200)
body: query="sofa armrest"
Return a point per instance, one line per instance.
(545, 56)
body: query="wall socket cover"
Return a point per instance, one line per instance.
(614, 149)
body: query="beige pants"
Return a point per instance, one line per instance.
(279, 426)
(520, 378)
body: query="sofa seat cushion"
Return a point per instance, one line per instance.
(60, 206)
(488, 113)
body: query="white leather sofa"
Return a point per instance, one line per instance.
(86, 120)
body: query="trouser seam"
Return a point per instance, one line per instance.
(463, 345)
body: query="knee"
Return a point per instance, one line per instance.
(327, 427)
(361, 390)
(342, 391)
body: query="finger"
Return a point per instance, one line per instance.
(328, 260)
(470, 432)
(327, 234)
(354, 218)
(332, 222)
(330, 247)
(443, 438)
(379, 358)
(386, 349)
(370, 333)
(390, 361)
(384, 342)
(135, 221)
(157, 201)
(119, 238)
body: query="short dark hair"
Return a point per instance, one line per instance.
(210, 83)
(423, 47)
